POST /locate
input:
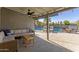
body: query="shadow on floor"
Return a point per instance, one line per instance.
(42, 45)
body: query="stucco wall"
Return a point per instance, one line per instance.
(13, 20)
(0, 18)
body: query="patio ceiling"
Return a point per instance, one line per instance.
(39, 11)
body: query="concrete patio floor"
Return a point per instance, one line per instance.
(41, 44)
(66, 40)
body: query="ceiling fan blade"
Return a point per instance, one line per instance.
(29, 12)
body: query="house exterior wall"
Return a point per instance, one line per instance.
(73, 27)
(14, 20)
(0, 18)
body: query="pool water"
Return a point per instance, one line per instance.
(38, 28)
(57, 29)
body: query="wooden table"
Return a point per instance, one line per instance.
(28, 40)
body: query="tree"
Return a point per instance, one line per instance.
(40, 23)
(45, 20)
(53, 23)
(66, 22)
(61, 23)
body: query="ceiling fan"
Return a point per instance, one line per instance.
(30, 12)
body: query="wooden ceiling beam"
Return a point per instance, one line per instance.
(57, 11)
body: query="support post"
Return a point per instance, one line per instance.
(47, 27)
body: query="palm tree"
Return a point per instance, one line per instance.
(61, 23)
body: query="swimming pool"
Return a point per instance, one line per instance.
(57, 29)
(38, 28)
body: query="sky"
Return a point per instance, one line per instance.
(71, 15)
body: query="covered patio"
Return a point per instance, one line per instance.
(18, 18)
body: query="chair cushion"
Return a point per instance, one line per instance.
(6, 31)
(1, 36)
(8, 38)
(17, 31)
(27, 30)
(12, 32)
(23, 30)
